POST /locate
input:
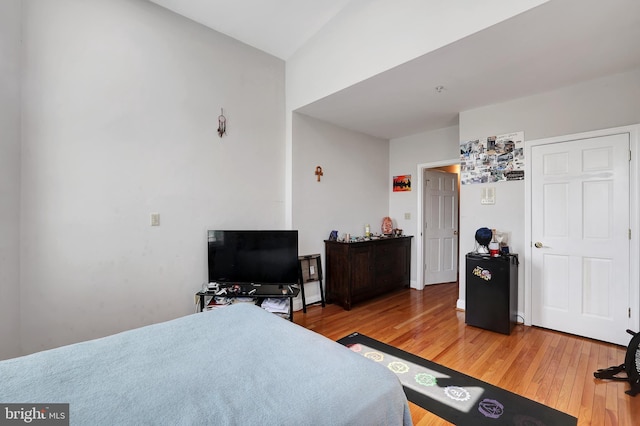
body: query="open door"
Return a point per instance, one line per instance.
(440, 226)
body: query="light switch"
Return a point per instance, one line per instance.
(407, 216)
(488, 196)
(155, 219)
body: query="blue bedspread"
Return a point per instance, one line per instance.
(238, 365)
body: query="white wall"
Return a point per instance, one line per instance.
(405, 155)
(372, 36)
(9, 178)
(598, 104)
(354, 190)
(120, 107)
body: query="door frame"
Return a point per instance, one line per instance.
(419, 285)
(634, 216)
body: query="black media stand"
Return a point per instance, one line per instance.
(258, 292)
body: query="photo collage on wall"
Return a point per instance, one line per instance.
(492, 159)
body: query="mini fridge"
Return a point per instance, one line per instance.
(492, 291)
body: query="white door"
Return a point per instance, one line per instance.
(440, 227)
(580, 234)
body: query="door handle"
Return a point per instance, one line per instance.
(455, 232)
(538, 244)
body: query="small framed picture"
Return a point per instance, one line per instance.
(402, 183)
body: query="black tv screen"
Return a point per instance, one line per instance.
(265, 257)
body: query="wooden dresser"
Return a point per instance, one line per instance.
(362, 270)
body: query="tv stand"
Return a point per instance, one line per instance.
(258, 292)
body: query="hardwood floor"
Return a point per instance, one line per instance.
(552, 368)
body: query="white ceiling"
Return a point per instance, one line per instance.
(559, 43)
(278, 27)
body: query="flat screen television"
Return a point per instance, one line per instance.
(264, 257)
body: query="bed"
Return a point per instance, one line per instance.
(237, 365)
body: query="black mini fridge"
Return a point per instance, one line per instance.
(492, 291)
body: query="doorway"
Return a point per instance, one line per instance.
(437, 222)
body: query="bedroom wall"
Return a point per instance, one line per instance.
(120, 107)
(602, 103)
(352, 192)
(405, 154)
(369, 37)
(9, 178)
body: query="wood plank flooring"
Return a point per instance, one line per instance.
(552, 368)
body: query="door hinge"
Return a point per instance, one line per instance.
(629, 312)
(629, 155)
(629, 233)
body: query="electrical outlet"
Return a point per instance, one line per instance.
(312, 270)
(155, 219)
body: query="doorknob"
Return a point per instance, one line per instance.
(538, 244)
(455, 232)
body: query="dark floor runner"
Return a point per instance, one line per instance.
(456, 397)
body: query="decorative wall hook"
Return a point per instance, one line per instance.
(222, 123)
(319, 172)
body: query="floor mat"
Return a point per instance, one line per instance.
(454, 396)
